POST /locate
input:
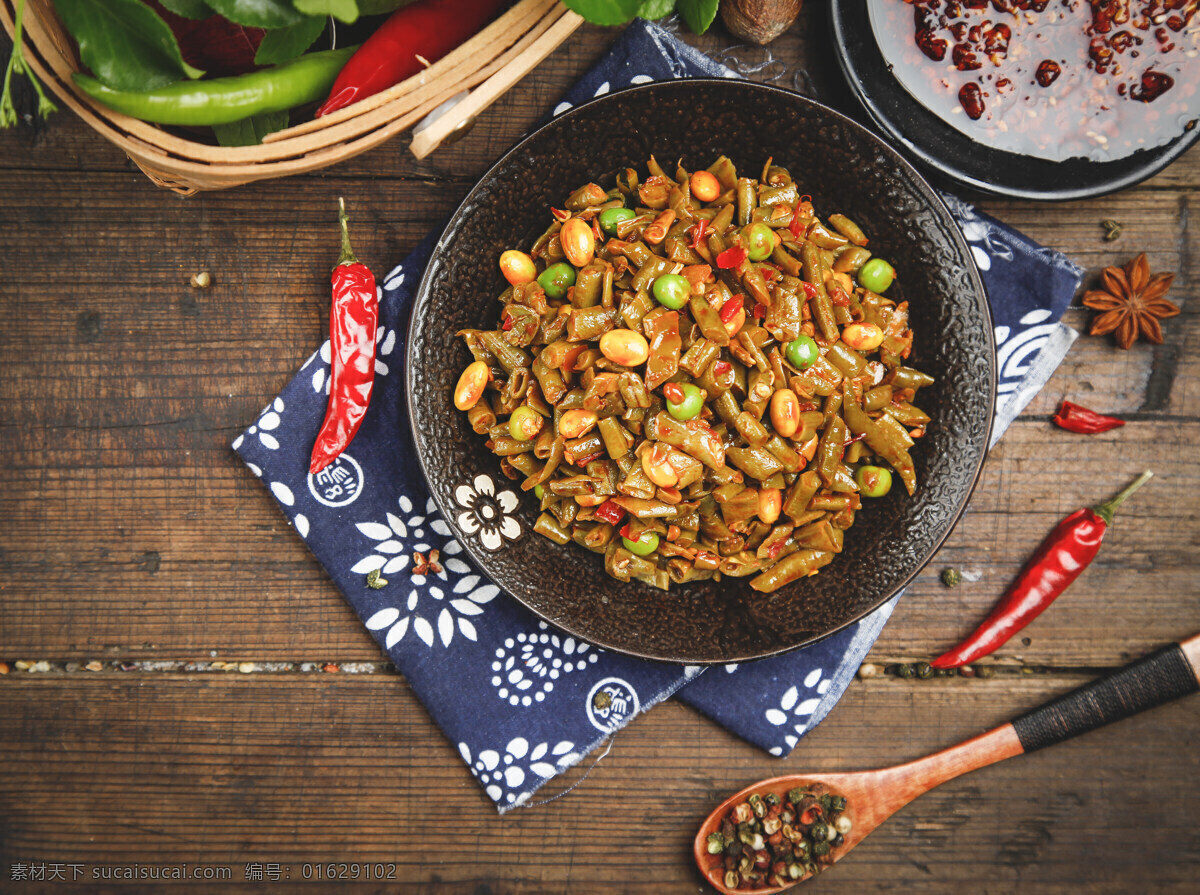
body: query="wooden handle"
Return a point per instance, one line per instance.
(1149, 682)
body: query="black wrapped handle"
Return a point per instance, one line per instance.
(1149, 682)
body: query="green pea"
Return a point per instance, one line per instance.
(690, 406)
(873, 481)
(610, 217)
(803, 352)
(646, 543)
(876, 275)
(759, 241)
(525, 423)
(672, 290)
(557, 279)
(539, 491)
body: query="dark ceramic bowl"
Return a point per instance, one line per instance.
(949, 153)
(845, 168)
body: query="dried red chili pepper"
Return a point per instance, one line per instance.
(732, 257)
(412, 38)
(730, 309)
(352, 322)
(698, 233)
(1075, 418)
(796, 227)
(1062, 556)
(609, 512)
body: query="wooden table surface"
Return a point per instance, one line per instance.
(182, 682)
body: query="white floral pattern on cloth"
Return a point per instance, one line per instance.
(385, 344)
(509, 771)
(528, 664)
(487, 513)
(443, 594)
(264, 428)
(1014, 351)
(792, 707)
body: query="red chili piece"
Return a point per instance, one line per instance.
(760, 310)
(413, 37)
(1075, 418)
(609, 512)
(352, 322)
(730, 308)
(796, 227)
(698, 233)
(809, 289)
(1062, 556)
(732, 257)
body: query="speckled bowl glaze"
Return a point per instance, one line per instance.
(845, 169)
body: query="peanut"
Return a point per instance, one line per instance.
(574, 423)
(578, 242)
(624, 347)
(517, 267)
(471, 385)
(785, 412)
(862, 336)
(656, 463)
(770, 504)
(705, 186)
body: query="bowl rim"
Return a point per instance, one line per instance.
(922, 186)
(1127, 171)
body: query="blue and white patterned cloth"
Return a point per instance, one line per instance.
(516, 696)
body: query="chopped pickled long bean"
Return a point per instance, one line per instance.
(632, 390)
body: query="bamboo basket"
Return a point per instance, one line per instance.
(466, 81)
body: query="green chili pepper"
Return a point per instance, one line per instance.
(305, 79)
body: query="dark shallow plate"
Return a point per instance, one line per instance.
(844, 168)
(932, 143)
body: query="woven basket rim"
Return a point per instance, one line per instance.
(187, 165)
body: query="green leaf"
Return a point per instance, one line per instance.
(250, 131)
(346, 10)
(189, 9)
(283, 44)
(698, 14)
(257, 13)
(656, 9)
(605, 12)
(125, 43)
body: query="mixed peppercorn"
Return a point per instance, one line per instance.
(768, 841)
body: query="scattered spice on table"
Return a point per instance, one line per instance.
(352, 323)
(951, 577)
(1131, 302)
(769, 840)
(1060, 559)
(1077, 418)
(1112, 229)
(375, 581)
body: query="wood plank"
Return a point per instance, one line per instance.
(114, 769)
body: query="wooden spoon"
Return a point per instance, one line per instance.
(874, 796)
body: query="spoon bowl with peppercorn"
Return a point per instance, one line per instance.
(778, 832)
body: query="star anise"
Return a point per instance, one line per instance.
(1131, 302)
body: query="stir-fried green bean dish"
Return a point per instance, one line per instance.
(698, 377)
